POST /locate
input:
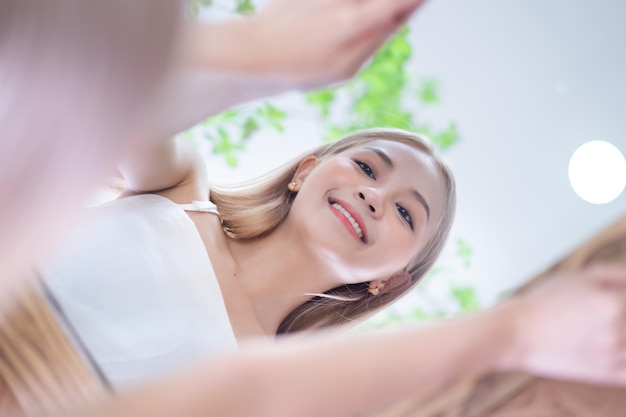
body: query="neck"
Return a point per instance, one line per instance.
(277, 273)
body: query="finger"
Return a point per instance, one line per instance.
(403, 18)
(608, 274)
(380, 13)
(360, 50)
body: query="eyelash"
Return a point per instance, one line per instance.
(404, 213)
(367, 170)
(406, 216)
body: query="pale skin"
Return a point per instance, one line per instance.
(329, 375)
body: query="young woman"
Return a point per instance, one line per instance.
(326, 239)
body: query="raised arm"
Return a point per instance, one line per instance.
(570, 328)
(287, 45)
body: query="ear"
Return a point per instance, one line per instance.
(304, 168)
(401, 280)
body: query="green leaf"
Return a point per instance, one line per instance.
(245, 6)
(273, 116)
(419, 315)
(222, 118)
(464, 251)
(229, 131)
(429, 92)
(323, 99)
(205, 3)
(231, 160)
(274, 113)
(337, 132)
(447, 138)
(223, 145)
(224, 136)
(250, 126)
(466, 297)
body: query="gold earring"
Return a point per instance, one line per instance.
(374, 291)
(293, 187)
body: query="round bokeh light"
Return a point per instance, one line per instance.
(597, 172)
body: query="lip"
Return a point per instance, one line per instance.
(346, 222)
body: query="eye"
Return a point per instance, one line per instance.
(405, 215)
(367, 170)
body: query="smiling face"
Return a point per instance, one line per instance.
(369, 209)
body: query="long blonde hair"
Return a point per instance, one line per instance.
(254, 209)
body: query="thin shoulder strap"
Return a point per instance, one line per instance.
(203, 206)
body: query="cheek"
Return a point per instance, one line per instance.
(390, 258)
(402, 248)
(340, 171)
(406, 254)
(332, 175)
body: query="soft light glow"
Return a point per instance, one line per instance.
(597, 172)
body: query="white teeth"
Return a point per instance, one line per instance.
(353, 222)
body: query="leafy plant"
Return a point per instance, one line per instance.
(378, 95)
(229, 132)
(245, 6)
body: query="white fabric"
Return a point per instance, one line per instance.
(204, 206)
(138, 288)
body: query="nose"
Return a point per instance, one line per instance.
(371, 199)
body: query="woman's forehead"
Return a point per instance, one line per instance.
(397, 152)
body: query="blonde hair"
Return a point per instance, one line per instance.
(254, 209)
(41, 370)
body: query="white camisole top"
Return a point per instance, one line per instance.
(136, 287)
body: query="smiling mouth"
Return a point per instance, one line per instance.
(351, 220)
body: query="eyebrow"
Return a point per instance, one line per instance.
(419, 197)
(387, 161)
(381, 154)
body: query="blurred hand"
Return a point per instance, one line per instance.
(290, 44)
(321, 41)
(296, 44)
(574, 327)
(316, 42)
